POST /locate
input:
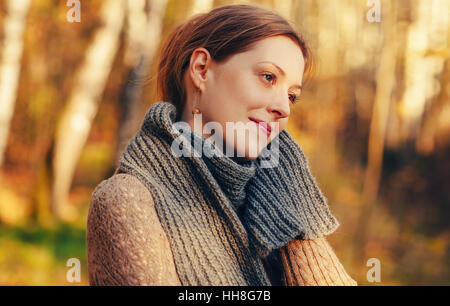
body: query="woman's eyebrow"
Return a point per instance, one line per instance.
(281, 71)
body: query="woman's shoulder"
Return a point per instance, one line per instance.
(120, 188)
(122, 198)
(126, 242)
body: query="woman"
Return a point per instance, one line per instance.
(182, 210)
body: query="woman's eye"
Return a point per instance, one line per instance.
(293, 98)
(269, 77)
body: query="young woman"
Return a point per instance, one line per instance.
(187, 206)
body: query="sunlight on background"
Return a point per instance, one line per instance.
(374, 121)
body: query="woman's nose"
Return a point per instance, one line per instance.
(279, 107)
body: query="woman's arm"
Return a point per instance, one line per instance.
(313, 263)
(125, 240)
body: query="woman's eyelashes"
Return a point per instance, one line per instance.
(272, 78)
(293, 98)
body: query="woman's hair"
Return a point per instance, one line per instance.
(224, 31)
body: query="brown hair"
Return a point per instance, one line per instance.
(224, 31)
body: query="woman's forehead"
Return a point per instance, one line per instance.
(279, 51)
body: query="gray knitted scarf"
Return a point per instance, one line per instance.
(223, 214)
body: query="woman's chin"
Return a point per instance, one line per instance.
(251, 152)
(249, 148)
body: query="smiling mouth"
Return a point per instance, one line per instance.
(265, 127)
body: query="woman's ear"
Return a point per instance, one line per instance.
(199, 65)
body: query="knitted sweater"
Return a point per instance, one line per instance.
(203, 206)
(127, 245)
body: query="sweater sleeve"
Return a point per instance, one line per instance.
(126, 243)
(313, 263)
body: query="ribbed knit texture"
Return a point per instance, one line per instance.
(313, 263)
(221, 214)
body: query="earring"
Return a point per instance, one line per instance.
(196, 110)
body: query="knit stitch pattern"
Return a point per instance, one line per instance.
(222, 216)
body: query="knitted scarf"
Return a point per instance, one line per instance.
(223, 214)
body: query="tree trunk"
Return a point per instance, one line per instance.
(76, 120)
(439, 56)
(14, 26)
(144, 35)
(428, 31)
(385, 84)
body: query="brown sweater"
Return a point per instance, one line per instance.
(128, 246)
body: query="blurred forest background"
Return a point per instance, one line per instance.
(374, 121)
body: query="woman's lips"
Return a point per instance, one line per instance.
(265, 127)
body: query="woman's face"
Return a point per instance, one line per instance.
(257, 85)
